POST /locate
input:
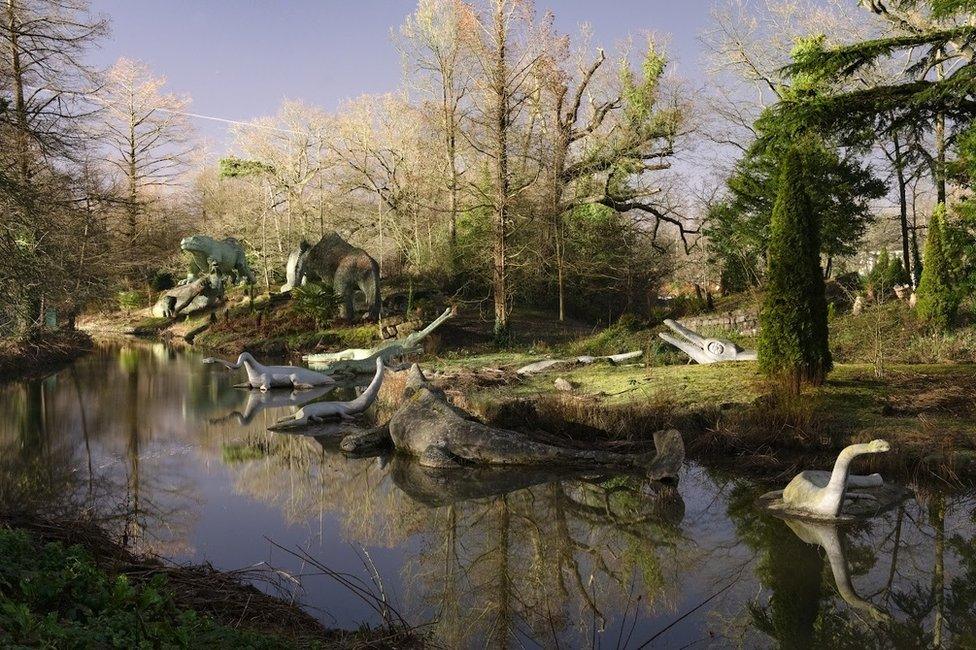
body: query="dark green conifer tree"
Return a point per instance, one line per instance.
(937, 299)
(793, 339)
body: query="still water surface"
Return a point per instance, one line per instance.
(175, 460)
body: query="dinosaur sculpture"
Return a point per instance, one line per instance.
(265, 377)
(338, 263)
(705, 350)
(828, 537)
(548, 364)
(225, 256)
(427, 426)
(829, 495)
(259, 400)
(322, 411)
(202, 293)
(361, 360)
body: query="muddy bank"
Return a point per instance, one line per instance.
(25, 359)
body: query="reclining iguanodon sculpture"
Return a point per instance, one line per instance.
(704, 350)
(265, 377)
(322, 411)
(429, 427)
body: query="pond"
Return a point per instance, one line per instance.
(175, 460)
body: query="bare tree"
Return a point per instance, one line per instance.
(146, 134)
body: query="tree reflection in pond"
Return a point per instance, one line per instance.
(147, 440)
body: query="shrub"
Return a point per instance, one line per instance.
(793, 339)
(130, 299)
(938, 301)
(316, 301)
(161, 281)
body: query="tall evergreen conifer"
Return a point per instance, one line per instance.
(793, 341)
(937, 298)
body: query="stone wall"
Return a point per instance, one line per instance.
(740, 321)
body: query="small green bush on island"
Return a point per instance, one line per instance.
(315, 301)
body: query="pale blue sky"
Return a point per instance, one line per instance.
(238, 59)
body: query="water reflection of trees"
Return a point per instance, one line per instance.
(502, 553)
(86, 440)
(899, 561)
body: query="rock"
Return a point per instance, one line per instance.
(858, 306)
(912, 300)
(563, 385)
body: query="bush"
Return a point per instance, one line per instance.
(316, 301)
(938, 301)
(793, 338)
(886, 273)
(57, 597)
(130, 300)
(161, 281)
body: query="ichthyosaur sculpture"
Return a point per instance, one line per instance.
(429, 427)
(324, 411)
(704, 350)
(266, 377)
(837, 494)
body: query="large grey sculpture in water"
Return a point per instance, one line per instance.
(324, 411)
(828, 537)
(362, 360)
(704, 350)
(429, 427)
(347, 268)
(265, 377)
(835, 494)
(226, 257)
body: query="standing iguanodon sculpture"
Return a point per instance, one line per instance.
(225, 257)
(265, 377)
(705, 350)
(320, 411)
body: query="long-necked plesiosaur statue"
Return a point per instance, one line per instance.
(822, 495)
(323, 411)
(265, 377)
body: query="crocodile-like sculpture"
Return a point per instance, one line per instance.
(362, 360)
(323, 411)
(266, 377)
(704, 350)
(259, 400)
(837, 494)
(338, 263)
(226, 257)
(828, 537)
(440, 435)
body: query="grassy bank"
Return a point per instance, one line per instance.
(65, 584)
(24, 358)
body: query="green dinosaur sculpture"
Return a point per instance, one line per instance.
(226, 256)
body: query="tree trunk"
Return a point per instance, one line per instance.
(20, 104)
(499, 114)
(903, 209)
(940, 146)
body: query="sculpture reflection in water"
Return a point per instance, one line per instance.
(259, 400)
